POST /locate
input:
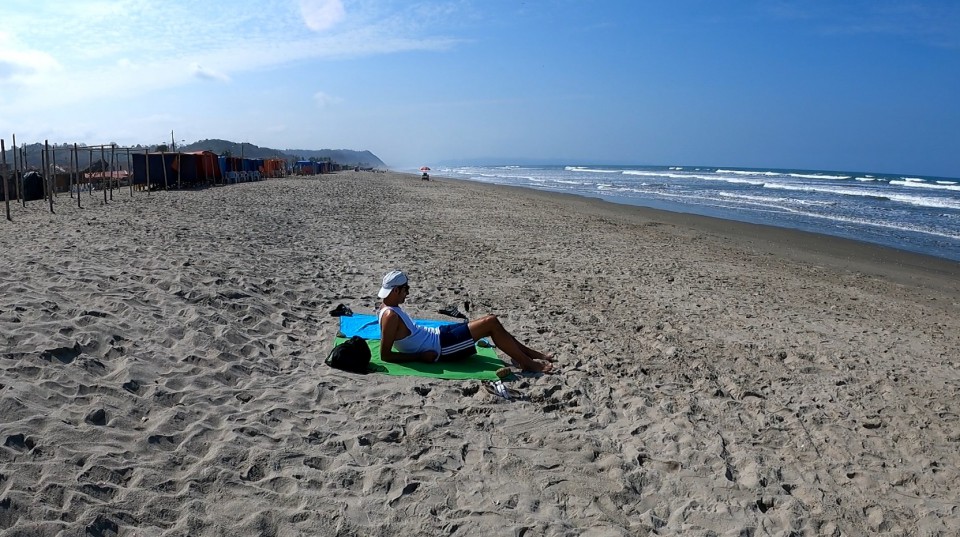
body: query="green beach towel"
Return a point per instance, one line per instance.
(481, 366)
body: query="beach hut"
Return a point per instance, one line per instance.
(273, 167)
(32, 186)
(198, 167)
(230, 168)
(307, 167)
(172, 169)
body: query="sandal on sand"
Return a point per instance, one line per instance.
(452, 311)
(341, 311)
(498, 389)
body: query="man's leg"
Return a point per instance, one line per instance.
(490, 326)
(535, 354)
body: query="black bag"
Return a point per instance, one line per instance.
(352, 355)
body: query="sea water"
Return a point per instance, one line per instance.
(914, 213)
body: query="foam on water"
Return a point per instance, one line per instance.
(913, 213)
(942, 185)
(735, 181)
(817, 176)
(745, 172)
(590, 170)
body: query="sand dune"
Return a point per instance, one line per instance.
(161, 370)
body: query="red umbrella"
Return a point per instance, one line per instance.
(424, 168)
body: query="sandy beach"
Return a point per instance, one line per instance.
(161, 370)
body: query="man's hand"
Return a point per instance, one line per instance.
(428, 356)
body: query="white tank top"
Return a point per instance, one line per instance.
(421, 338)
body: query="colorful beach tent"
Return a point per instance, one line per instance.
(173, 168)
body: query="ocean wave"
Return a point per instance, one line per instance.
(897, 226)
(589, 170)
(578, 183)
(913, 180)
(939, 185)
(919, 201)
(799, 211)
(817, 176)
(753, 198)
(866, 179)
(736, 181)
(811, 213)
(658, 174)
(745, 172)
(768, 199)
(785, 174)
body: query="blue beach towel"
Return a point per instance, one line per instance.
(368, 326)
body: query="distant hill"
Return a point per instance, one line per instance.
(345, 157)
(341, 156)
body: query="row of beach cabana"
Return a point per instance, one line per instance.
(135, 168)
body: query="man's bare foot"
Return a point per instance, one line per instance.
(545, 357)
(537, 355)
(545, 367)
(534, 366)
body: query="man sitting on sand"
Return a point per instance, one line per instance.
(417, 343)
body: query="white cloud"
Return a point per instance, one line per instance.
(320, 15)
(21, 64)
(323, 100)
(208, 74)
(100, 54)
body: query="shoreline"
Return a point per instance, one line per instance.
(734, 215)
(161, 369)
(849, 254)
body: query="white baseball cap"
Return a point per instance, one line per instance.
(392, 280)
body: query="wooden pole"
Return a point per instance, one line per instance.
(75, 160)
(23, 188)
(163, 160)
(103, 186)
(113, 162)
(72, 172)
(90, 167)
(129, 172)
(179, 169)
(52, 162)
(3, 177)
(43, 172)
(16, 168)
(146, 161)
(46, 158)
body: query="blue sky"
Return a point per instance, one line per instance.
(815, 84)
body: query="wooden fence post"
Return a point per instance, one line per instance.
(75, 162)
(3, 177)
(16, 169)
(46, 168)
(103, 186)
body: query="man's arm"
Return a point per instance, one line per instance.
(389, 322)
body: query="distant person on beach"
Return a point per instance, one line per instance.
(417, 343)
